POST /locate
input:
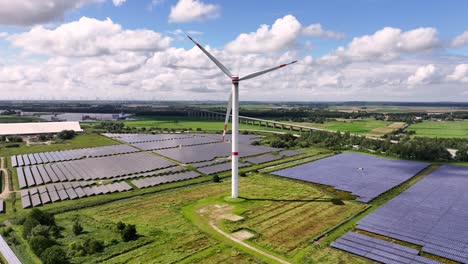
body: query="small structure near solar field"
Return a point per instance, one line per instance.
(20, 129)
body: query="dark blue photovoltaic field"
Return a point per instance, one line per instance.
(433, 213)
(362, 175)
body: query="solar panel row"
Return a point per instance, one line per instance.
(432, 213)
(55, 156)
(90, 169)
(362, 175)
(153, 181)
(208, 163)
(220, 168)
(152, 173)
(263, 158)
(174, 143)
(59, 192)
(379, 250)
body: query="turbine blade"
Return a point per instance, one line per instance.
(228, 114)
(213, 59)
(255, 74)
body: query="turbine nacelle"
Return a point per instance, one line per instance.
(235, 79)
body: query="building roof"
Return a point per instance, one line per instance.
(38, 128)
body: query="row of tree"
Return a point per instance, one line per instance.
(428, 149)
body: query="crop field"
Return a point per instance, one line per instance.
(445, 129)
(358, 126)
(272, 206)
(396, 109)
(85, 140)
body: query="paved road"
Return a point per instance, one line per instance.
(282, 261)
(7, 253)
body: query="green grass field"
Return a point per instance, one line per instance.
(85, 140)
(184, 123)
(445, 129)
(168, 236)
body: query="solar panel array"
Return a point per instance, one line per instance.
(67, 191)
(55, 156)
(220, 168)
(362, 175)
(153, 181)
(90, 169)
(243, 139)
(137, 138)
(192, 154)
(433, 213)
(290, 153)
(379, 250)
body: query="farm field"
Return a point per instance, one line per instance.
(396, 109)
(445, 129)
(366, 126)
(176, 123)
(84, 140)
(18, 119)
(167, 236)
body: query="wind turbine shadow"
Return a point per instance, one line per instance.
(334, 201)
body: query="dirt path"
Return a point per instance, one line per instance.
(238, 241)
(217, 212)
(6, 191)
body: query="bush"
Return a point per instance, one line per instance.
(44, 218)
(66, 134)
(14, 145)
(120, 226)
(54, 255)
(6, 231)
(243, 174)
(129, 233)
(216, 178)
(199, 129)
(92, 246)
(77, 228)
(39, 244)
(40, 230)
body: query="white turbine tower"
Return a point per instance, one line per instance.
(234, 102)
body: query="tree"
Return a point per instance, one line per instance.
(77, 228)
(40, 243)
(129, 233)
(462, 153)
(28, 225)
(44, 218)
(54, 255)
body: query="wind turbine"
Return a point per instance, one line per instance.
(234, 103)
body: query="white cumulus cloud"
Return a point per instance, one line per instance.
(460, 73)
(32, 12)
(282, 34)
(423, 75)
(192, 10)
(316, 30)
(460, 40)
(88, 37)
(386, 44)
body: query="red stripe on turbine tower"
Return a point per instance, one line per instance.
(235, 153)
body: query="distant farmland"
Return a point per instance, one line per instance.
(445, 129)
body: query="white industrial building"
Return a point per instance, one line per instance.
(38, 128)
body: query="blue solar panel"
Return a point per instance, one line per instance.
(378, 250)
(432, 213)
(362, 175)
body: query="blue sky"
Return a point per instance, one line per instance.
(403, 70)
